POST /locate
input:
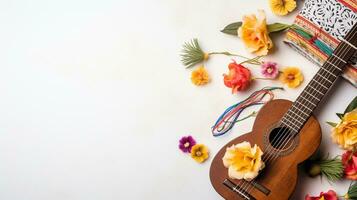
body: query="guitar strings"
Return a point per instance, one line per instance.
(283, 139)
(342, 49)
(289, 138)
(246, 185)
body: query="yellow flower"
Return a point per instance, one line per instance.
(199, 153)
(243, 161)
(254, 33)
(345, 133)
(282, 7)
(291, 76)
(200, 76)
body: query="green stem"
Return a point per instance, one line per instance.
(254, 61)
(254, 78)
(228, 54)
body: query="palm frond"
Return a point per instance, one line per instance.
(192, 53)
(352, 191)
(332, 168)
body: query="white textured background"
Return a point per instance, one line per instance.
(94, 97)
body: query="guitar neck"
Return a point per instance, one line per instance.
(320, 84)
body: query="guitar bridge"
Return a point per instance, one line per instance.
(235, 188)
(241, 191)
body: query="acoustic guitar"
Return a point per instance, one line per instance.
(286, 132)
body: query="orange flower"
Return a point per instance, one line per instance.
(345, 133)
(291, 76)
(238, 77)
(200, 76)
(254, 33)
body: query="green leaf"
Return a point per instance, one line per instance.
(232, 29)
(333, 124)
(332, 168)
(340, 115)
(352, 191)
(277, 27)
(351, 106)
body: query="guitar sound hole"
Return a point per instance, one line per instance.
(280, 138)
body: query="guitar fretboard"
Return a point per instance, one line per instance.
(314, 92)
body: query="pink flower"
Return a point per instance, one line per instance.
(270, 70)
(330, 195)
(349, 161)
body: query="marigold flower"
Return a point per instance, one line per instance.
(238, 77)
(200, 76)
(243, 161)
(254, 33)
(345, 133)
(199, 153)
(270, 70)
(330, 195)
(291, 76)
(349, 161)
(282, 7)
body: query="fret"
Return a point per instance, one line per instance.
(309, 86)
(311, 95)
(320, 84)
(307, 100)
(296, 130)
(290, 123)
(347, 42)
(328, 72)
(287, 114)
(316, 84)
(318, 74)
(303, 105)
(327, 61)
(334, 55)
(297, 114)
(301, 109)
(306, 114)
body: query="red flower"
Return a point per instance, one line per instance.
(349, 162)
(330, 195)
(238, 77)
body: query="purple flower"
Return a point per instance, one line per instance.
(186, 143)
(270, 70)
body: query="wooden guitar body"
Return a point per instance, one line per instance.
(278, 178)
